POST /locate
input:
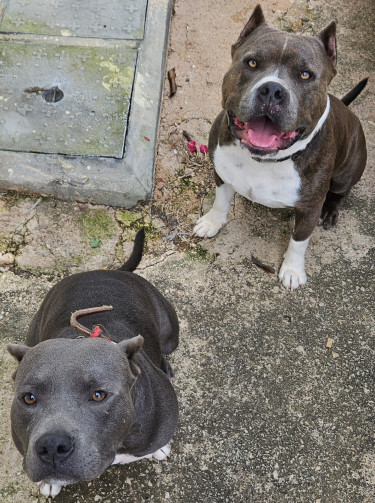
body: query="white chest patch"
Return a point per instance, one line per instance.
(273, 184)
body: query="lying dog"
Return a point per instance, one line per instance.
(281, 140)
(84, 403)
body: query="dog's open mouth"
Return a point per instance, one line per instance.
(262, 135)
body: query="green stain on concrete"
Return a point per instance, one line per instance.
(10, 25)
(98, 110)
(97, 225)
(127, 218)
(200, 254)
(131, 223)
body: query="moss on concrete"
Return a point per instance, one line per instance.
(97, 224)
(199, 253)
(131, 223)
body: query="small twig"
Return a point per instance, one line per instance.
(266, 268)
(187, 136)
(35, 90)
(84, 312)
(166, 255)
(172, 82)
(33, 206)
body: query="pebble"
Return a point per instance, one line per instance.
(6, 259)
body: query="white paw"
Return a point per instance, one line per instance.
(292, 273)
(48, 489)
(124, 459)
(162, 453)
(292, 277)
(209, 225)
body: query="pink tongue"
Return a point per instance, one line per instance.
(263, 132)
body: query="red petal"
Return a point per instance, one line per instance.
(192, 146)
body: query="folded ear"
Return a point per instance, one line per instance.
(328, 37)
(256, 19)
(18, 351)
(131, 348)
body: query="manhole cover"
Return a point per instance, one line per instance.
(65, 100)
(83, 18)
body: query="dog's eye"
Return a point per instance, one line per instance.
(98, 396)
(305, 75)
(29, 399)
(252, 63)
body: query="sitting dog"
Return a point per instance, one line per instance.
(84, 403)
(281, 140)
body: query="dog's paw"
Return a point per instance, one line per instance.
(292, 278)
(162, 453)
(328, 219)
(209, 225)
(124, 459)
(48, 489)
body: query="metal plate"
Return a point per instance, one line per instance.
(122, 19)
(91, 117)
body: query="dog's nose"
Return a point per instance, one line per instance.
(272, 93)
(53, 448)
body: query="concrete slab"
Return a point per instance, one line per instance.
(100, 19)
(84, 173)
(65, 100)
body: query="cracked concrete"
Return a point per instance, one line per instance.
(268, 414)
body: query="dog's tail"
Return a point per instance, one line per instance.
(133, 261)
(351, 96)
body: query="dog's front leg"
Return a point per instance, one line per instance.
(209, 225)
(292, 273)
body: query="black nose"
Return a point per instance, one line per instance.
(53, 448)
(273, 93)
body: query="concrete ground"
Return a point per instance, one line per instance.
(267, 412)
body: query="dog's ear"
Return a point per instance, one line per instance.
(328, 37)
(256, 19)
(18, 351)
(131, 348)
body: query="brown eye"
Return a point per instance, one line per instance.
(252, 63)
(29, 399)
(305, 75)
(98, 396)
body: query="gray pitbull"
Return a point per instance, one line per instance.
(84, 403)
(281, 140)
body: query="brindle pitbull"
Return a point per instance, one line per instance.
(281, 140)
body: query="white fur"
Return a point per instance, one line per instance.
(49, 489)
(292, 273)
(160, 455)
(210, 223)
(273, 184)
